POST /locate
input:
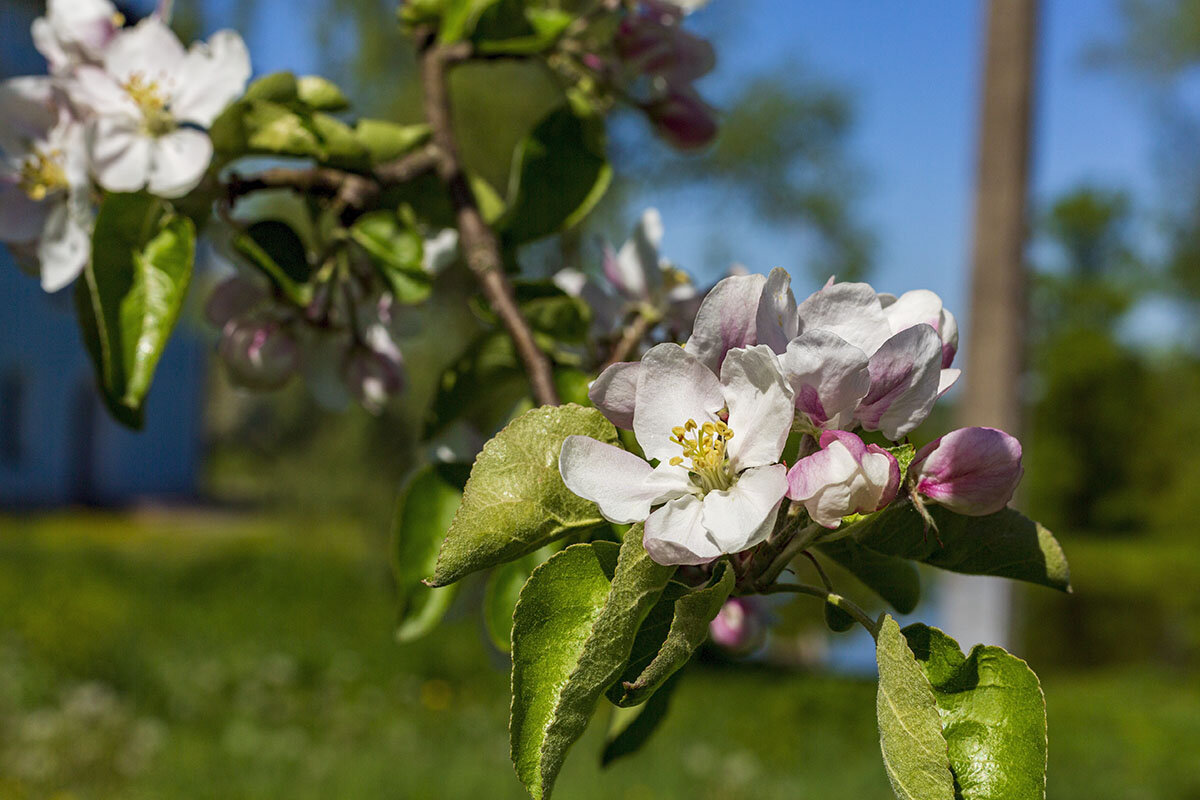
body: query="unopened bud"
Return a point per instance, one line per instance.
(972, 471)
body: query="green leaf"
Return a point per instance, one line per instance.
(1006, 543)
(277, 87)
(630, 728)
(904, 455)
(894, 579)
(500, 596)
(424, 510)
(321, 94)
(561, 172)
(515, 500)
(993, 716)
(131, 295)
(459, 18)
(545, 26)
(910, 729)
(385, 140)
(338, 144)
(691, 615)
(571, 639)
(836, 619)
(397, 251)
(276, 249)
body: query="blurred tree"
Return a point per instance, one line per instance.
(1089, 385)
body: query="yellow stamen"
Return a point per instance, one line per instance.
(152, 101)
(704, 445)
(42, 173)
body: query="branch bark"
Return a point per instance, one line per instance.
(477, 240)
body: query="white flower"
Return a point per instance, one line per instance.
(75, 32)
(148, 100)
(718, 484)
(44, 205)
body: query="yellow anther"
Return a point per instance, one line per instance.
(41, 174)
(145, 93)
(676, 461)
(118, 20)
(704, 446)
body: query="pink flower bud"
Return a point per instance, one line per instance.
(972, 471)
(373, 377)
(664, 50)
(231, 299)
(683, 119)
(739, 626)
(845, 477)
(258, 353)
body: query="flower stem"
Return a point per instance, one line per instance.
(833, 598)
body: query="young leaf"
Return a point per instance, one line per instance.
(131, 294)
(571, 639)
(893, 579)
(515, 500)
(459, 18)
(397, 251)
(561, 172)
(691, 616)
(836, 619)
(1006, 543)
(630, 728)
(993, 716)
(910, 729)
(424, 509)
(320, 94)
(386, 140)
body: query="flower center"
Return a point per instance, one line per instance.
(152, 101)
(42, 174)
(704, 446)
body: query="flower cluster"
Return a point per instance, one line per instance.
(715, 414)
(123, 109)
(637, 281)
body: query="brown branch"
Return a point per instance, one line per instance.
(625, 347)
(477, 241)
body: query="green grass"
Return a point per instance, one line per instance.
(213, 657)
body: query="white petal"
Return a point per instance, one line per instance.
(777, 319)
(211, 76)
(851, 310)
(149, 50)
(760, 406)
(121, 154)
(635, 269)
(742, 516)
(179, 161)
(828, 375)
(728, 318)
(673, 387)
(64, 249)
(675, 534)
(28, 112)
(610, 477)
(615, 392)
(46, 43)
(94, 90)
(905, 373)
(21, 218)
(946, 379)
(918, 307)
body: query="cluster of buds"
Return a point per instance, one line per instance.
(716, 413)
(123, 109)
(652, 62)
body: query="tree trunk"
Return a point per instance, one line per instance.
(980, 608)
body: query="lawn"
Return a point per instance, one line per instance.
(210, 656)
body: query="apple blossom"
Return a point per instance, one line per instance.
(718, 484)
(844, 477)
(75, 32)
(45, 208)
(637, 280)
(972, 471)
(739, 626)
(148, 101)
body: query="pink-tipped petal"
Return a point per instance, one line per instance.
(972, 471)
(728, 318)
(615, 392)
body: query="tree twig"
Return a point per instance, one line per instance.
(631, 337)
(478, 241)
(833, 598)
